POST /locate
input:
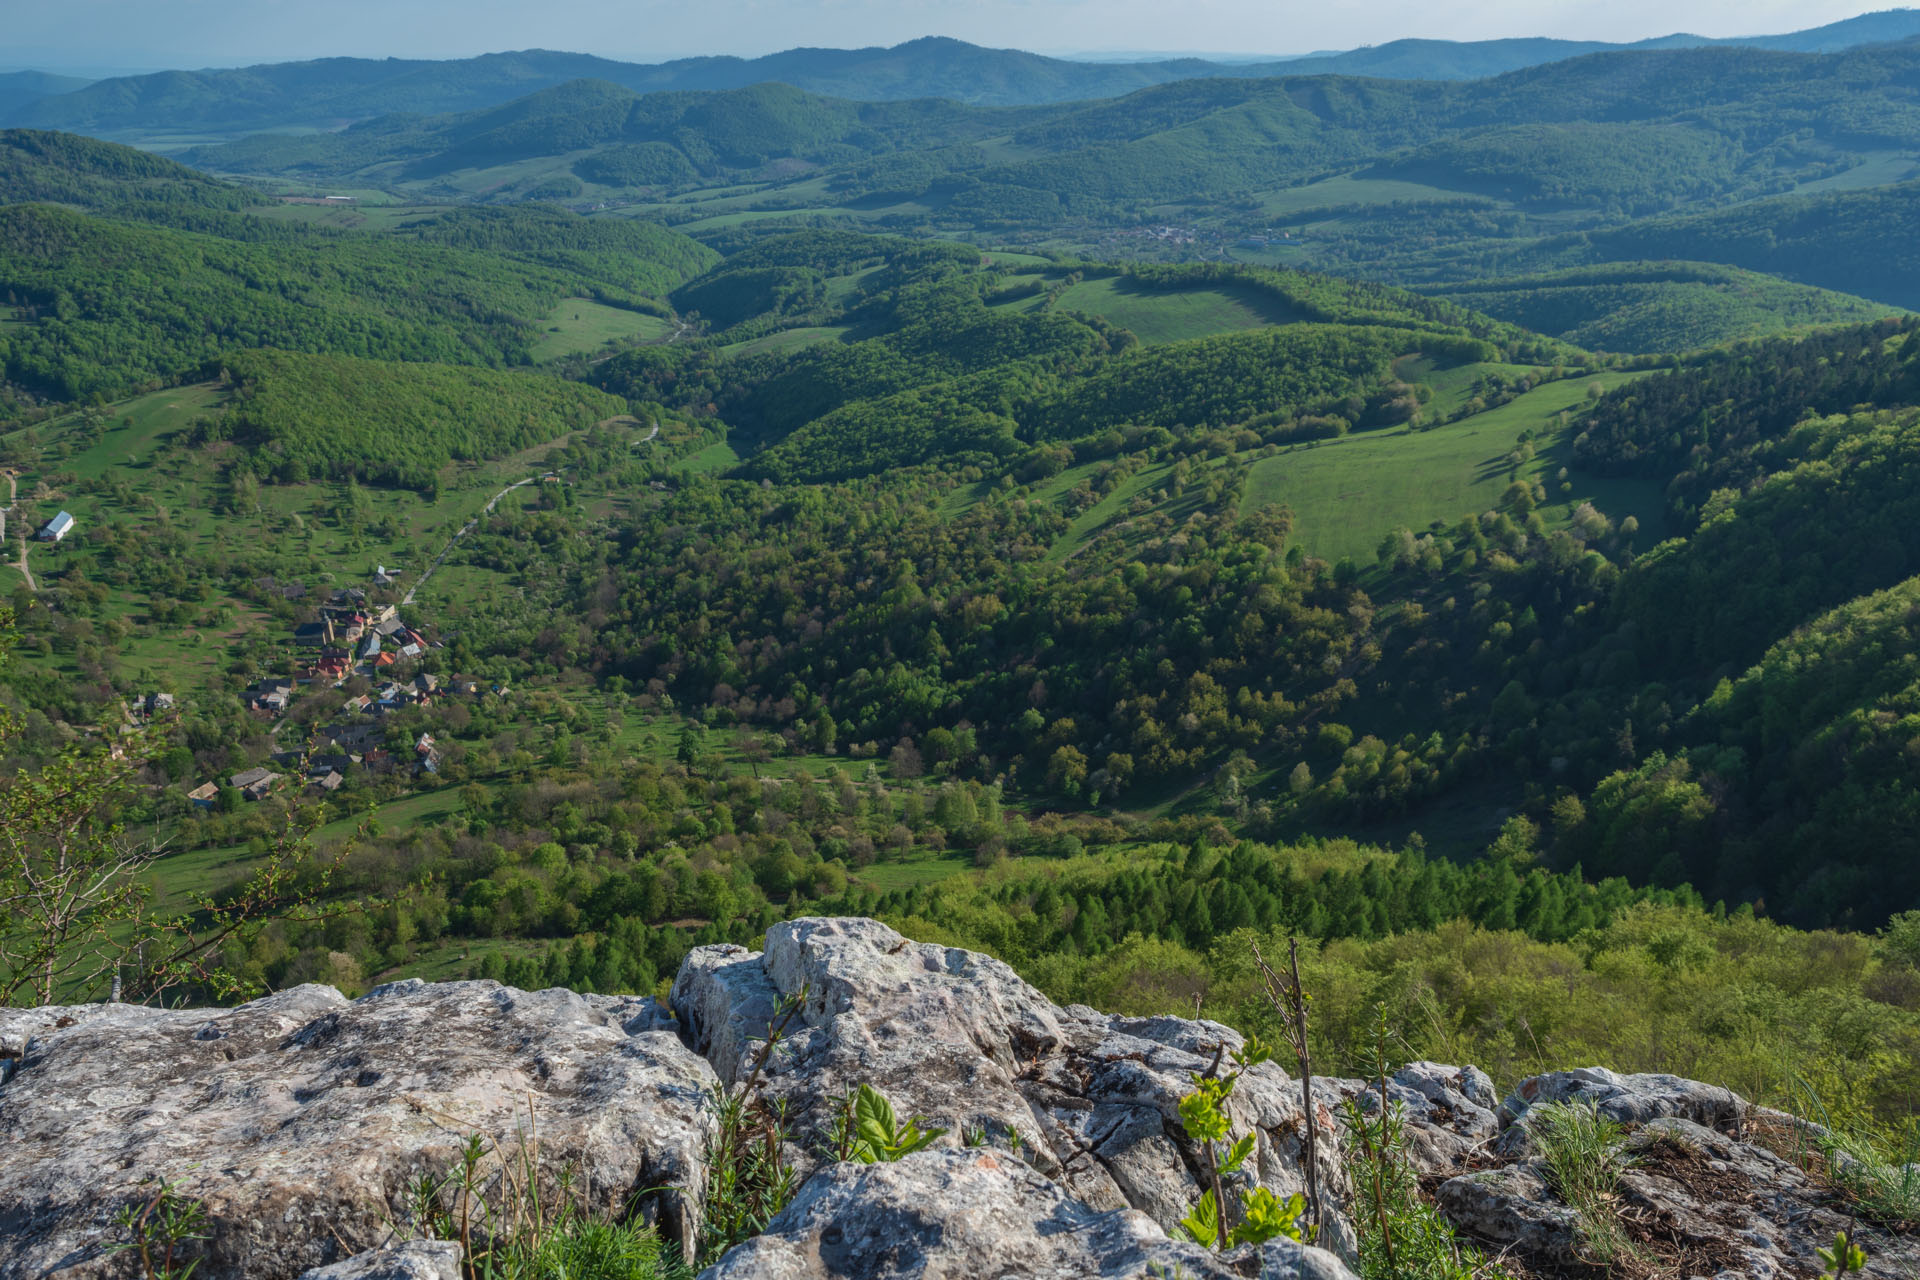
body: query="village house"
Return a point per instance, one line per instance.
(205, 796)
(333, 762)
(152, 705)
(271, 694)
(254, 784)
(352, 738)
(56, 529)
(325, 786)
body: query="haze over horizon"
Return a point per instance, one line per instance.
(203, 33)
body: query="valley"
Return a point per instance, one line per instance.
(1451, 507)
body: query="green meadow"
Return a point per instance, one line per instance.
(1346, 493)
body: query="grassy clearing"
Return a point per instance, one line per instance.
(1346, 493)
(887, 877)
(788, 340)
(715, 457)
(1010, 258)
(1351, 190)
(1453, 384)
(1878, 169)
(581, 324)
(1160, 315)
(1089, 522)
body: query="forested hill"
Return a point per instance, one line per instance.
(21, 89)
(1603, 158)
(1724, 115)
(64, 168)
(217, 273)
(332, 91)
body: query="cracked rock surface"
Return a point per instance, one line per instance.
(962, 1040)
(300, 1119)
(979, 1213)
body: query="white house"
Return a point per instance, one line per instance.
(57, 528)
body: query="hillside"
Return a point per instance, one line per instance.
(20, 89)
(1663, 306)
(492, 592)
(1604, 158)
(456, 286)
(63, 168)
(333, 91)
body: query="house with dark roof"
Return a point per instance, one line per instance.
(314, 635)
(254, 784)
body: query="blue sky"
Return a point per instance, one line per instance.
(192, 33)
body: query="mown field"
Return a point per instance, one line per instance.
(1345, 494)
(1159, 316)
(581, 324)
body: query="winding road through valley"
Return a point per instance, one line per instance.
(470, 525)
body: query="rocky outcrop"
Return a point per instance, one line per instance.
(960, 1039)
(1704, 1188)
(301, 1120)
(981, 1213)
(1450, 1112)
(407, 1260)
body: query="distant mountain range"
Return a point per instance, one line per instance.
(332, 92)
(21, 89)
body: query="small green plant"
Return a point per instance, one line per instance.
(510, 1228)
(160, 1229)
(1402, 1237)
(1263, 1215)
(1581, 1151)
(1844, 1257)
(748, 1177)
(1877, 1170)
(1289, 999)
(1879, 1176)
(866, 1131)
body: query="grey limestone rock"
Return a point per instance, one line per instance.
(1629, 1099)
(1450, 1112)
(411, 1260)
(1702, 1200)
(299, 1120)
(982, 1214)
(962, 1040)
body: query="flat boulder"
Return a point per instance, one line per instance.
(301, 1121)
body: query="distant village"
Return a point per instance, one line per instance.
(350, 636)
